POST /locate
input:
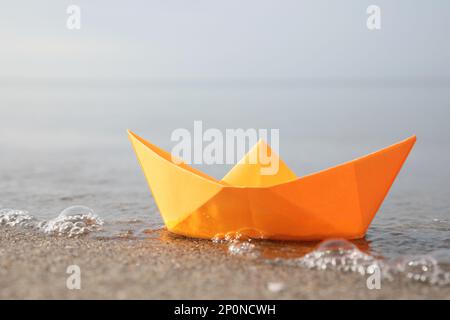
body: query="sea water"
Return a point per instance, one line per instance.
(68, 170)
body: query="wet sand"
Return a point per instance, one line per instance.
(33, 266)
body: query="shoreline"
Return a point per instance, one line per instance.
(33, 266)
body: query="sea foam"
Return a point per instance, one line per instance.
(71, 222)
(343, 256)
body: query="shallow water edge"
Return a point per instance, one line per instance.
(333, 255)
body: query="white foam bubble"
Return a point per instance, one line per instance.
(243, 248)
(337, 254)
(15, 218)
(71, 222)
(342, 255)
(238, 244)
(420, 268)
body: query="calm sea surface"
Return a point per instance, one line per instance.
(64, 144)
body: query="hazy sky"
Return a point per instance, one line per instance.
(227, 38)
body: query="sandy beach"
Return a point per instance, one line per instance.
(33, 266)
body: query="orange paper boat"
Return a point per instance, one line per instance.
(336, 202)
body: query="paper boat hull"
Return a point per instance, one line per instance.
(337, 202)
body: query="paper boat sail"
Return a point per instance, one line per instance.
(336, 202)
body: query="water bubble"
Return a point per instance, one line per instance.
(73, 221)
(337, 246)
(13, 218)
(230, 237)
(76, 211)
(243, 248)
(422, 268)
(244, 234)
(218, 238)
(238, 244)
(337, 254)
(79, 224)
(343, 256)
